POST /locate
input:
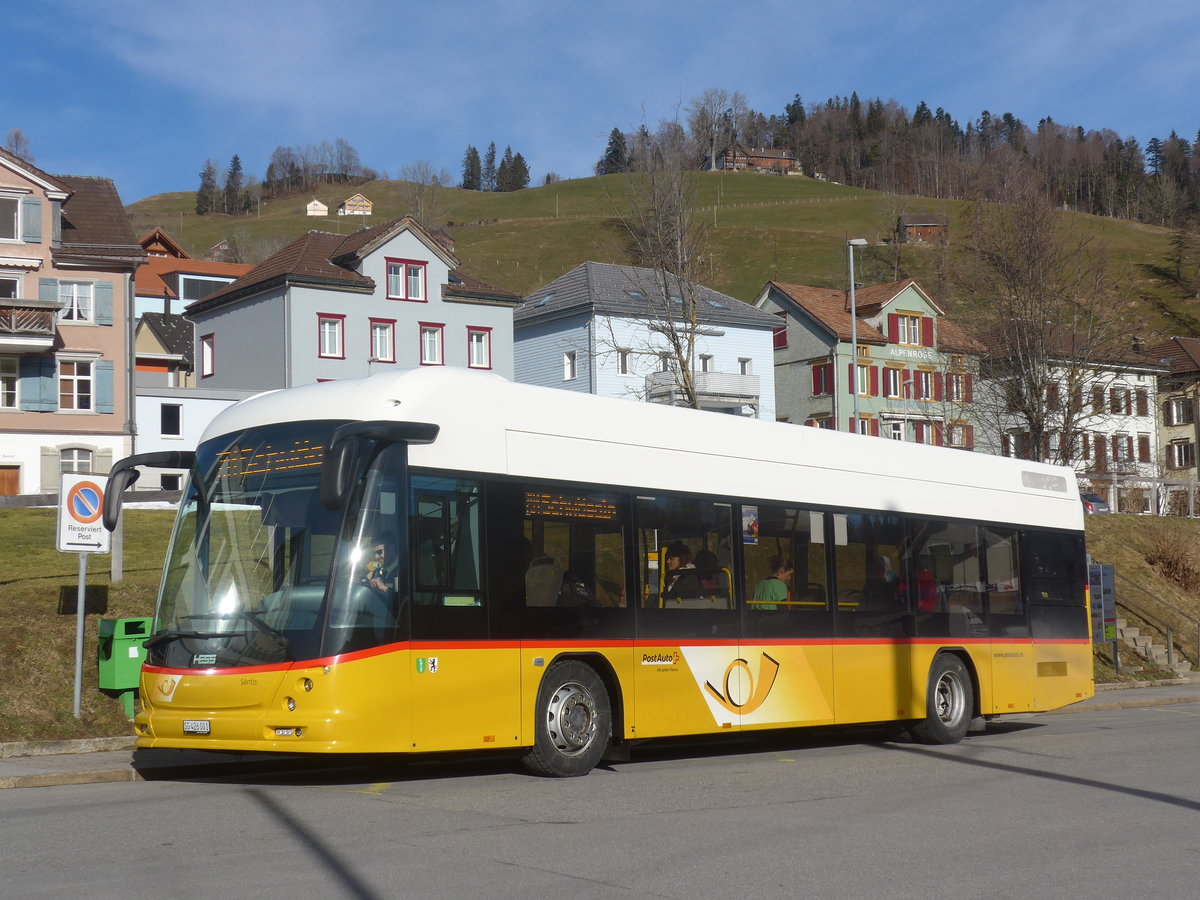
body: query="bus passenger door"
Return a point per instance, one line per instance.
(786, 653)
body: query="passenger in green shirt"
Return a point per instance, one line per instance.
(774, 589)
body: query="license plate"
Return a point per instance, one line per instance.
(196, 726)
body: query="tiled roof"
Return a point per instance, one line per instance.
(630, 291)
(1181, 354)
(94, 223)
(18, 163)
(173, 332)
(870, 299)
(1061, 343)
(464, 285)
(831, 307)
(953, 339)
(152, 279)
(925, 219)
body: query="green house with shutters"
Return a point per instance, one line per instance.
(67, 259)
(913, 369)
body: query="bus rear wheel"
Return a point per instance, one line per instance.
(574, 721)
(948, 702)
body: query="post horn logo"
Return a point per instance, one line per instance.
(768, 668)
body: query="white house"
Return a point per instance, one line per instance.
(599, 329)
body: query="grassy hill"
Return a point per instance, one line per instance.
(765, 227)
(37, 636)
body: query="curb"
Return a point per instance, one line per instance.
(59, 779)
(12, 749)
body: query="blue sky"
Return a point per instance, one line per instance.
(144, 92)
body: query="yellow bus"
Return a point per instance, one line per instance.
(437, 560)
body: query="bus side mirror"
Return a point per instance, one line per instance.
(346, 448)
(125, 473)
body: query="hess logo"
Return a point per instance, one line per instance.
(743, 702)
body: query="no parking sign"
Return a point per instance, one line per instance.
(80, 505)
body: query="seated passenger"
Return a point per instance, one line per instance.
(775, 588)
(678, 562)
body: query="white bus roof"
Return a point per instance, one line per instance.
(491, 425)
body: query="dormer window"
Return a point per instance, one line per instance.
(406, 280)
(910, 329)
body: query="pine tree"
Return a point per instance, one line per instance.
(518, 174)
(616, 155)
(233, 186)
(504, 171)
(206, 195)
(472, 173)
(488, 174)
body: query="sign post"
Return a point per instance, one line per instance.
(80, 505)
(1102, 581)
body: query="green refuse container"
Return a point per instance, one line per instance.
(120, 656)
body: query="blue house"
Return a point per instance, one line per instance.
(627, 332)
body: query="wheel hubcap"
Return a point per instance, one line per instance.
(949, 699)
(571, 718)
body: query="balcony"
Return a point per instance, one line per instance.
(714, 390)
(27, 326)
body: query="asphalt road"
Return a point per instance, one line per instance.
(1098, 805)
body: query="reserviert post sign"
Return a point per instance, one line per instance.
(80, 506)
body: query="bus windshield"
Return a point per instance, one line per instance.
(254, 554)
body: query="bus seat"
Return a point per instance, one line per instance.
(543, 581)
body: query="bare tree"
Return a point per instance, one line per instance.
(715, 118)
(422, 183)
(1046, 305)
(17, 144)
(668, 237)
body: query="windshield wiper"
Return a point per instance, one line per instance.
(278, 638)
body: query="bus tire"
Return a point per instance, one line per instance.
(573, 723)
(949, 702)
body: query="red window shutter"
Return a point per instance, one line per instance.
(1129, 446)
(893, 326)
(968, 388)
(1101, 448)
(874, 428)
(937, 385)
(926, 332)
(1143, 448)
(850, 384)
(1143, 402)
(969, 437)
(1097, 399)
(919, 432)
(810, 422)
(1116, 447)
(939, 436)
(1128, 403)
(1085, 446)
(1114, 402)
(874, 381)
(816, 380)
(906, 384)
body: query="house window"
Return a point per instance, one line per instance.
(9, 288)
(10, 379)
(405, 280)
(895, 431)
(822, 379)
(864, 426)
(1122, 447)
(908, 330)
(10, 219)
(479, 348)
(1179, 411)
(208, 355)
(623, 362)
(745, 366)
(706, 362)
(76, 300)
(431, 344)
(570, 365)
(923, 386)
(329, 336)
(664, 362)
(923, 432)
(891, 383)
(383, 340)
(1181, 455)
(192, 288)
(863, 383)
(780, 336)
(75, 459)
(74, 384)
(954, 387)
(171, 420)
(1120, 401)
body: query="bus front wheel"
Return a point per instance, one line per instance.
(948, 702)
(574, 721)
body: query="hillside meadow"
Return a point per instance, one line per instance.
(38, 586)
(764, 227)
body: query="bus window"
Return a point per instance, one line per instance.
(872, 574)
(556, 561)
(947, 584)
(795, 538)
(685, 563)
(444, 529)
(1006, 609)
(1054, 580)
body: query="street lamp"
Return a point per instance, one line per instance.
(852, 243)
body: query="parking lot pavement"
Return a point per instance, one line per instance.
(96, 760)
